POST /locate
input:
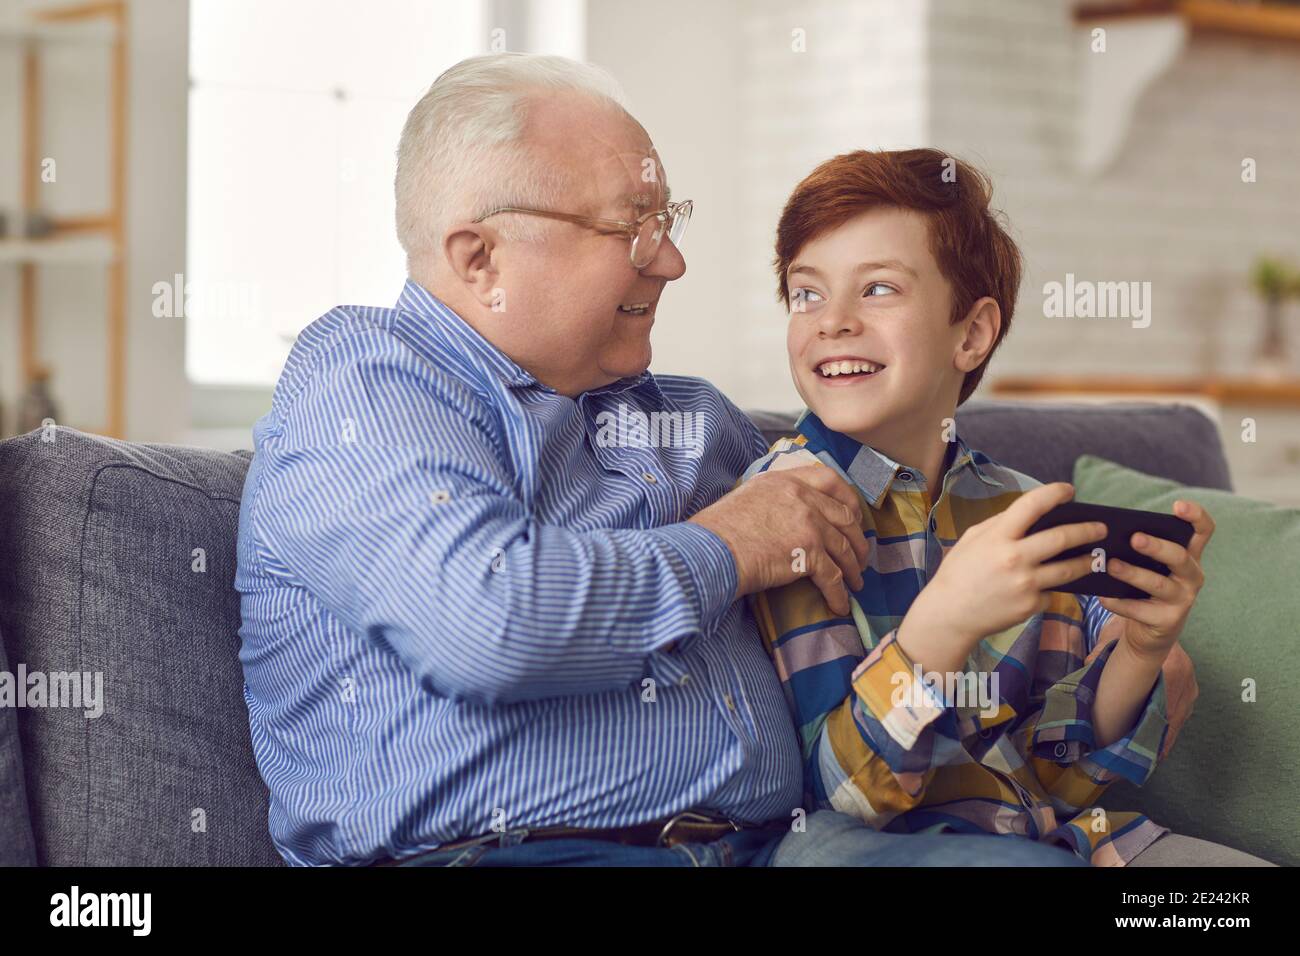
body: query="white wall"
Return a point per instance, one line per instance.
(158, 405)
(1171, 210)
(683, 81)
(859, 83)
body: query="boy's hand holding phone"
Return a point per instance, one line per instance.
(997, 573)
(993, 577)
(1153, 626)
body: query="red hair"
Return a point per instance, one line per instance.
(973, 251)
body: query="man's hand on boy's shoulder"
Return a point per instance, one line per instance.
(789, 523)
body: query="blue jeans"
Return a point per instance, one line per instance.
(837, 839)
(829, 839)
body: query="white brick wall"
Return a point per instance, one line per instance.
(1000, 84)
(861, 83)
(1172, 208)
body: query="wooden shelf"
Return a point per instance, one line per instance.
(58, 251)
(71, 32)
(1267, 20)
(1243, 391)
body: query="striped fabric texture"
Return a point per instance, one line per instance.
(472, 604)
(1008, 748)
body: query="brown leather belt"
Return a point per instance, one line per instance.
(687, 827)
(683, 828)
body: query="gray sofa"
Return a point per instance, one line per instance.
(118, 559)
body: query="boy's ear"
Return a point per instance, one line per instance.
(982, 324)
(468, 249)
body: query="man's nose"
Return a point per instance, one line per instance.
(668, 263)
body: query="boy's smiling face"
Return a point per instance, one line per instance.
(869, 295)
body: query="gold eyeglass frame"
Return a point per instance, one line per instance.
(668, 216)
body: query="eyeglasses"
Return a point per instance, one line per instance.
(646, 232)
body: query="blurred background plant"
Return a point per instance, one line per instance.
(1275, 281)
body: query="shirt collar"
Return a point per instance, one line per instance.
(465, 340)
(874, 472)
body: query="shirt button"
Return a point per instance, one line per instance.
(649, 478)
(905, 475)
(1061, 749)
(986, 733)
(685, 679)
(730, 701)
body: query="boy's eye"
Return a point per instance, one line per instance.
(878, 285)
(804, 296)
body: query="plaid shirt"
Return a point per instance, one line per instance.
(910, 755)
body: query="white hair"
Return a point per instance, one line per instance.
(458, 155)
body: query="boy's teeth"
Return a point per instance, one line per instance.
(829, 369)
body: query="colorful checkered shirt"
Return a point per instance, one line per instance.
(914, 755)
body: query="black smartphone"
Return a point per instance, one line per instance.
(1121, 525)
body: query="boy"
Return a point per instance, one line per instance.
(900, 285)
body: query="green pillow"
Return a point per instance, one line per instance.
(1233, 775)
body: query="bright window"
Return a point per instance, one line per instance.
(295, 109)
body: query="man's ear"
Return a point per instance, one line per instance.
(982, 324)
(468, 249)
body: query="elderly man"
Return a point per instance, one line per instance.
(478, 630)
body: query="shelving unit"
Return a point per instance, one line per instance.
(74, 249)
(91, 240)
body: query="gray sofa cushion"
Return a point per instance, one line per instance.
(101, 574)
(1042, 440)
(16, 846)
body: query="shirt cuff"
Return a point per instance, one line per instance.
(710, 579)
(895, 697)
(1064, 733)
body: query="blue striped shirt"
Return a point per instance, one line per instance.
(472, 603)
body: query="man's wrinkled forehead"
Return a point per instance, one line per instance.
(606, 154)
(619, 180)
(626, 183)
